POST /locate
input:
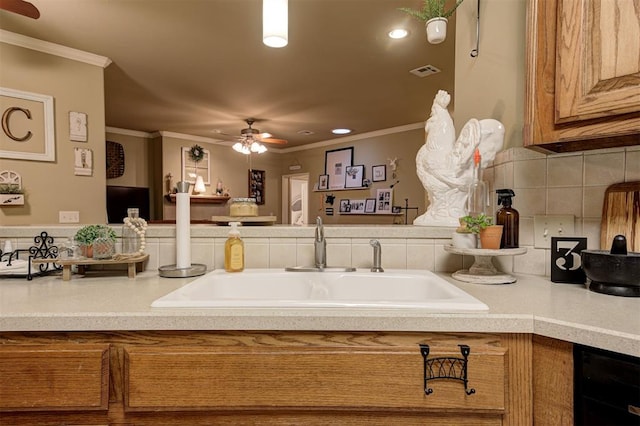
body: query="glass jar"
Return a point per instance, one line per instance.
(130, 238)
(103, 246)
(243, 207)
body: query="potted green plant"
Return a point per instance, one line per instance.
(434, 15)
(97, 241)
(482, 225)
(11, 195)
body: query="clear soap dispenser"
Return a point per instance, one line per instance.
(477, 191)
(234, 250)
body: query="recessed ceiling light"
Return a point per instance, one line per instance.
(341, 131)
(398, 33)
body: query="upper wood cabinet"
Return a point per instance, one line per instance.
(583, 74)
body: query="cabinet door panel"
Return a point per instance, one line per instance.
(598, 59)
(327, 378)
(54, 377)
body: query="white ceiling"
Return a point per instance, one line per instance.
(197, 66)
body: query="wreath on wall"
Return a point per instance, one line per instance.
(196, 153)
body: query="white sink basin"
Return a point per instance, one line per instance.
(273, 288)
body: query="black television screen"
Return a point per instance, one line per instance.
(120, 198)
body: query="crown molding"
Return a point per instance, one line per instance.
(128, 132)
(189, 137)
(53, 49)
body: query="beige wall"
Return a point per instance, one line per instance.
(370, 151)
(492, 84)
(52, 186)
(231, 168)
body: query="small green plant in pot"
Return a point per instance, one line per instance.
(490, 234)
(435, 16)
(97, 241)
(475, 224)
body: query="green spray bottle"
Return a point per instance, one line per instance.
(509, 218)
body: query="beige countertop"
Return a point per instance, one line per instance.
(532, 305)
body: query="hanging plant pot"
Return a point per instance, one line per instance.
(490, 237)
(436, 30)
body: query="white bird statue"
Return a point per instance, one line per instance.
(444, 163)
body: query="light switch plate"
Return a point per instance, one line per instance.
(547, 226)
(68, 216)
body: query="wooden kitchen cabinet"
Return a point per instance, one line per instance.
(297, 378)
(583, 75)
(54, 377)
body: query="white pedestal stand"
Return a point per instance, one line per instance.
(482, 271)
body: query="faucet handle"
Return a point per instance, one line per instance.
(377, 256)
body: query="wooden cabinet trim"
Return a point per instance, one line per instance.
(586, 92)
(540, 130)
(56, 377)
(328, 378)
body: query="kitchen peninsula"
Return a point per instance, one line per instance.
(131, 361)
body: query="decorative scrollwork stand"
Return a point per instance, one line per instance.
(44, 249)
(449, 368)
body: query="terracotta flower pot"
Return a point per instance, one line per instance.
(490, 237)
(86, 250)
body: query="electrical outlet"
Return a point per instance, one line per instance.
(545, 227)
(69, 216)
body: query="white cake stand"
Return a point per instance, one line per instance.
(482, 271)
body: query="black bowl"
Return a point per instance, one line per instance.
(617, 274)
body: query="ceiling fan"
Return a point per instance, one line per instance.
(251, 140)
(20, 7)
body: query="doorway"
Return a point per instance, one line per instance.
(295, 199)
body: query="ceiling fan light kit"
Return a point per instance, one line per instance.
(246, 147)
(275, 25)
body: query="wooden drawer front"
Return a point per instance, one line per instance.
(54, 377)
(305, 377)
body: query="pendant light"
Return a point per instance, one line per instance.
(275, 31)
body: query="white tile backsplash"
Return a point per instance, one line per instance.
(563, 171)
(632, 166)
(530, 174)
(604, 168)
(564, 201)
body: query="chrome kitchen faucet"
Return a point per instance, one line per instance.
(320, 245)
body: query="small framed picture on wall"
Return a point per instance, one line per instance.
(257, 185)
(384, 200)
(370, 205)
(379, 173)
(323, 182)
(354, 176)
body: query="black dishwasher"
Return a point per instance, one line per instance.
(607, 388)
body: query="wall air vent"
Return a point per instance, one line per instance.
(425, 70)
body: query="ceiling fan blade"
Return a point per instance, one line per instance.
(274, 141)
(20, 7)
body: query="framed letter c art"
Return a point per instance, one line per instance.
(27, 126)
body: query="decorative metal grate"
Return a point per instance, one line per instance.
(448, 368)
(44, 249)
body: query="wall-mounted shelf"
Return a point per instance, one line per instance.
(201, 199)
(360, 188)
(370, 214)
